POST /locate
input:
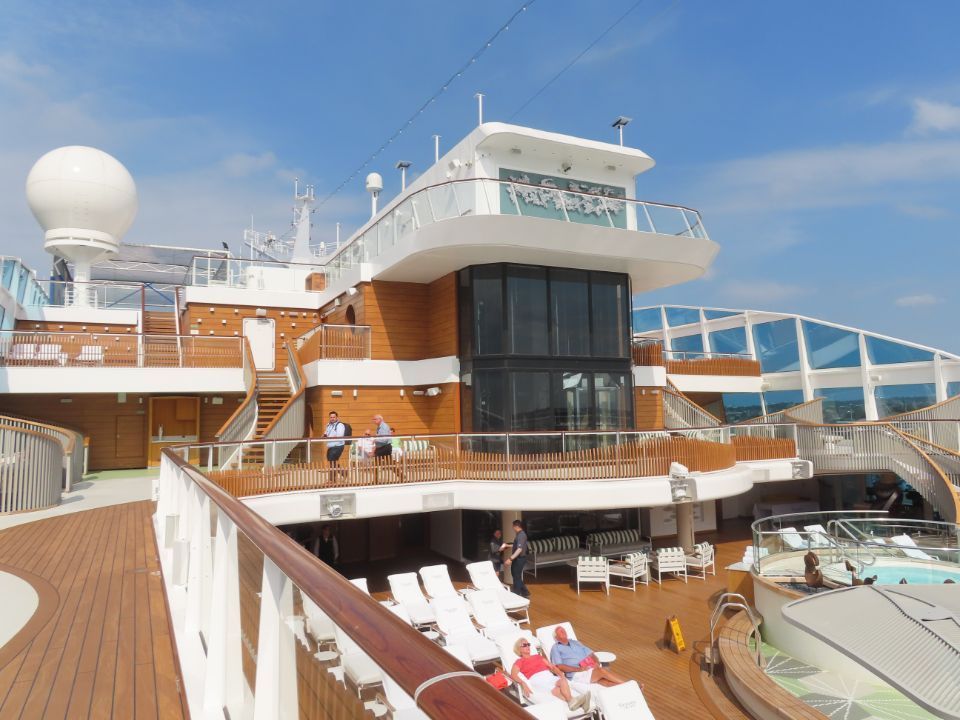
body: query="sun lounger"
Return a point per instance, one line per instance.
(909, 547)
(490, 615)
(405, 589)
(484, 577)
(792, 539)
(623, 702)
(457, 629)
(819, 537)
(436, 581)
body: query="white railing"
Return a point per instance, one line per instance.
(809, 412)
(949, 409)
(485, 196)
(252, 274)
(945, 433)
(31, 469)
(681, 412)
(335, 342)
(243, 424)
(74, 448)
(21, 282)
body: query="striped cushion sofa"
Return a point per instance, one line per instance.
(617, 542)
(553, 551)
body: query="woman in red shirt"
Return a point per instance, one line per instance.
(541, 676)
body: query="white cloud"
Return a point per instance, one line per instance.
(759, 294)
(927, 212)
(916, 300)
(244, 164)
(930, 117)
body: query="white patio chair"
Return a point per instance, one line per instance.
(406, 591)
(623, 702)
(92, 354)
(457, 629)
(595, 570)
(702, 559)
(909, 547)
(631, 568)
(484, 577)
(670, 560)
(22, 353)
(490, 615)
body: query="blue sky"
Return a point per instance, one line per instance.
(821, 140)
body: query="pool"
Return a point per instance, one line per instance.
(914, 573)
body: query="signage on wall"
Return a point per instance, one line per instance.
(542, 196)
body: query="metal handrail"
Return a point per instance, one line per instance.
(727, 601)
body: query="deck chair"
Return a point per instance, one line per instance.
(547, 641)
(92, 354)
(458, 629)
(461, 653)
(505, 644)
(436, 581)
(631, 568)
(406, 591)
(670, 560)
(357, 665)
(623, 702)
(819, 537)
(792, 539)
(490, 615)
(908, 546)
(318, 624)
(400, 705)
(553, 709)
(595, 570)
(701, 560)
(484, 577)
(362, 584)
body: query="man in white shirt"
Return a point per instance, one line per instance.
(334, 429)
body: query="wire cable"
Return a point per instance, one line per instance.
(433, 98)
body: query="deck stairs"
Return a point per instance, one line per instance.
(160, 347)
(273, 393)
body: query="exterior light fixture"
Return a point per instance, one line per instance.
(402, 167)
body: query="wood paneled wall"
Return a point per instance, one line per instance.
(227, 320)
(118, 431)
(74, 327)
(408, 321)
(648, 408)
(407, 415)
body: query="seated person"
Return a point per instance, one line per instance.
(542, 676)
(579, 662)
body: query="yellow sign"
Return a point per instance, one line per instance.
(672, 635)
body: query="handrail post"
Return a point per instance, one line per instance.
(223, 679)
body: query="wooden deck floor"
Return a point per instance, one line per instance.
(106, 649)
(626, 623)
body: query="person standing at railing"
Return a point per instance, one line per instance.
(384, 445)
(334, 429)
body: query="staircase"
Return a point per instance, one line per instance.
(159, 323)
(273, 392)
(160, 348)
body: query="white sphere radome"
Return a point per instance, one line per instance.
(374, 182)
(81, 196)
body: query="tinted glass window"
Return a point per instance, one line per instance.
(714, 314)
(887, 352)
(488, 310)
(688, 343)
(612, 391)
(647, 319)
(776, 345)
(527, 310)
(733, 340)
(953, 388)
(741, 406)
(830, 347)
(841, 405)
(777, 400)
(574, 401)
(488, 400)
(530, 393)
(896, 399)
(682, 316)
(609, 314)
(570, 309)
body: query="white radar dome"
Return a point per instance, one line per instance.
(374, 182)
(84, 199)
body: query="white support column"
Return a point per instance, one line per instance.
(748, 331)
(276, 682)
(704, 335)
(667, 344)
(506, 523)
(199, 570)
(866, 380)
(939, 382)
(224, 682)
(804, 362)
(685, 535)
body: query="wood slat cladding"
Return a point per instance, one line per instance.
(227, 320)
(648, 408)
(74, 327)
(117, 431)
(408, 321)
(407, 415)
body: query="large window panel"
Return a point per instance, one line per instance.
(777, 400)
(738, 407)
(953, 389)
(732, 340)
(488, 310)
(530, 396)
(647, 319)
(887, 352)
(612, 391)
(574, 406)
(830, 347)
(896, 399)
(714, 314)
(527, 309)
(688, 343)
(776, 345)
(842, 405)
(570, 310)
(677, 316)
(489, 401)
(609, 313)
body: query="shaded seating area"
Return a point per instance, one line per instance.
(553, 551)
(617, 542)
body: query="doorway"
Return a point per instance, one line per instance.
(172, 420)
(261, 334)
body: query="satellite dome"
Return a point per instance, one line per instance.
(374, 182)
(84, 199)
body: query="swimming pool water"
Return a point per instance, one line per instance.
(914, 574)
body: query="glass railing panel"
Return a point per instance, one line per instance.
(423, 213)
(404, 219)
(668, 220)
(467, 200)
(443, 201)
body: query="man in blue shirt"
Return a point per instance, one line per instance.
(384, 446)
(579, 662)
(334, 429)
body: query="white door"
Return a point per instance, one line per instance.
(261, 334)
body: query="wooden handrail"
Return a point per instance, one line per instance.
(69, 432)
(400, 651)
(251, 391)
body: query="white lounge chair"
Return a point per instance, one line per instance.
(318, 624)
(631, 568)
(909, 547)
(593, 570)
(484, 577)
(437, 583)
(819, 537)
(701, 560)
(508, 658)
(460, 652)
(490, 615)
(553, 709)
(792, 539)
(623, 702)
(458, 629)
(406, 591)
(51, 354)
(357, 665)
(670, 560)
(400, 705)
(22, 353)
(362, 584)
(92, 354)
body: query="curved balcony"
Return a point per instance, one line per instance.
(619, 233)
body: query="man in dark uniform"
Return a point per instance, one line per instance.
(326, 547)
(497, 546)
(518, 559)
